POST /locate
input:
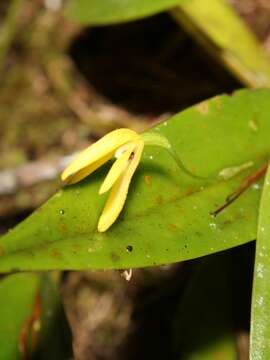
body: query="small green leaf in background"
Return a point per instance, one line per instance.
(17, 298)
(222, 32)
(100, 12)
(260, 314)
(204, 328)
(167, 216)
(32, 319)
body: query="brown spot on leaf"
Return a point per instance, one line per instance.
(115, 257)
(189, 191)
(30, 328)
(56, 253)
(148, 179)
(62, 227)
(218, 103)
(79, 227)
(203, 107)
(2, 252)
(225, 223)
(76, 247)
(172, 227)
(159, 200)
(253, 124)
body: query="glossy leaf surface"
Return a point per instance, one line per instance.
(167, 216)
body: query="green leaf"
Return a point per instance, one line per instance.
(260, 316)
(32, 319)
(100, 12)
(204, 329)
(167, 216)
(17, 297)
(215, 25)
(54, 340)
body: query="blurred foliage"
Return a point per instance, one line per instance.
(17, 300)
(33, 324)
(63, 86)
(218, 28)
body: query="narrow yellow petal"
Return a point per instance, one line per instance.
(97, 154)
(81, 174)
(118, 194)
(117, 168)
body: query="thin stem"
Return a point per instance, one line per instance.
(156, 139)
(245, 184)
(181, 165)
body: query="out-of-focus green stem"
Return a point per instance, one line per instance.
(155, 139)
(8, 28)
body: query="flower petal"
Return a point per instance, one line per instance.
(118, 194)
(97, 154)
(87, 170)
(117, 168)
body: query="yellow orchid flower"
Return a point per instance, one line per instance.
(127, 147)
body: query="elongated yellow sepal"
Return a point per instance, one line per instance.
(97, 154)
(119, 191)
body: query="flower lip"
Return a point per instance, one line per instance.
(118, 167)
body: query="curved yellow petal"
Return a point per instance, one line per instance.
(117, 168)
(97, 154)
(118, 194)
(81, 174)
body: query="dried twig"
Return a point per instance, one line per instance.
(11, 180)
(245, 184)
